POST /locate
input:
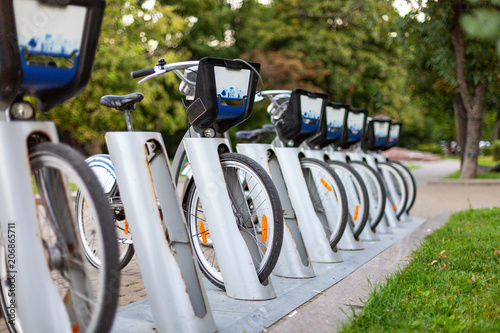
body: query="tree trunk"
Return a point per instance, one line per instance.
(95, 147)
(474, 128)
(461, 125)
(471, 151)
(473, 99)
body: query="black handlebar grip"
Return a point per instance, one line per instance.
(142, 72)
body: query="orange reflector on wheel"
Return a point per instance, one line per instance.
(86, 204)
(75, 328)
(356, 210)
(126, 227)
(264, 228)
(203, 232)
(326, 185)
(394, 207)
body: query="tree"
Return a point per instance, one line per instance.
(469, 66)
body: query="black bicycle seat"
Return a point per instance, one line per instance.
(268, 128)
(122, 103)
(248, 136)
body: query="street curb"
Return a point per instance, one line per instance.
(470, 182)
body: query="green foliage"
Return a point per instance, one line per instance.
(131, 38)
(430, 148)
(484, 23)
(450, 284)
(425, 33)
(495, 150)
(487, 151)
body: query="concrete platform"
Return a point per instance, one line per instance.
(256, 316)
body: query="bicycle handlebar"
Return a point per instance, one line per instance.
(163, 67)
(142, 72)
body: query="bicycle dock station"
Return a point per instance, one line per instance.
(14, 158)
(234, 257)
(143, 185)
(347, 242)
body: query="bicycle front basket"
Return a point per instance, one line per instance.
(355, 125)
(377, 134)
(57, 41)
(394, 134)
(302, 117)
(334, 125)
(225, 92)
(10, 63)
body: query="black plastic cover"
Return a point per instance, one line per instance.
(394, 135)
(43, 78)
(219, 102)
(298, 122)
(332, 126)
(377, 134)
(355, 128)
(10, 62)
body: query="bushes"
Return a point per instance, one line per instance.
(431, 148)
(495, 150)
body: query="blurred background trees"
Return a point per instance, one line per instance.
(362, 52)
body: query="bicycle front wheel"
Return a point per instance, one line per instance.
(103, 168)
(357, 196)
(90, 297)
(376, 191)
(258, 214)
(395, 184)
(328, 197)
(410, 183)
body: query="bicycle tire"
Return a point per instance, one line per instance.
(328, 197)
(260, 197)
(410, 183)
(376, 192)
(357, 195)
(90, 309)
(102, 166)
(396, 187)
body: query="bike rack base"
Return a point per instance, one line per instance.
(347, 241)
(313, 234)
(18, 213)
(171, 273)
(242, 316)
(293, 261)
(233, 254)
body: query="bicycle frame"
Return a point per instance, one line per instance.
(18, 217)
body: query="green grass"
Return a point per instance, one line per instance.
(413, 167)
(484, 175)
(451, 284)
(484, 161)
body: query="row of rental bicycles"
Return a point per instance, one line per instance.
(233, 212)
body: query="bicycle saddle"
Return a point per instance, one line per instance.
(248, 136)
(122, 103)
